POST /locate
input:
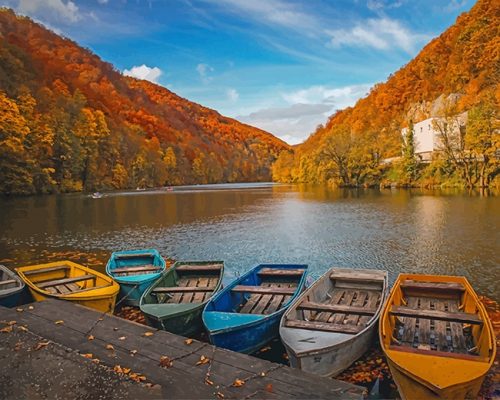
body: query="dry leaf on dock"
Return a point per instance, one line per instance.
(203, 360)
(165, 362)
(188, 341)
(238, 383)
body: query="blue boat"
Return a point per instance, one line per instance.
(135, 271)
(245, 315)
(11, 287)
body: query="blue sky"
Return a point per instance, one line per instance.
(283, 66)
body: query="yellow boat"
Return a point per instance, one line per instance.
(71, 281)
(437, 337)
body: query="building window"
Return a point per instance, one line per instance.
(421, 129)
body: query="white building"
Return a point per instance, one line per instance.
(427, 135)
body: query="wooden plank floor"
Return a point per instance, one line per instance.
(184, 379)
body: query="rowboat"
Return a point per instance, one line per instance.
(245, 315)
(67, 280)
(176, 300)
(334, 321)
(11, 287)
(135, 271)
(437, 337)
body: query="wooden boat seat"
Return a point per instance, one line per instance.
(137, 255)
(460, 356)
(460, 317)
(263, 290)
(324, 326)
(199, 268)
(58, 282)
(337, 308)
(357, 277)
(281, 272)
(180, 289)
(45, 270)
(8, 282)
(432, 289)
(142, 268)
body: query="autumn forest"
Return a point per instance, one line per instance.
(71, 122)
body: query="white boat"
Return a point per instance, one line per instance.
(334, 321)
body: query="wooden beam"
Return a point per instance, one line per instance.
(181, 289)
(361, 278)
(211, 267)
(57, 282)
(461, 317)
(45, 270)
(263, 290)
(141, 268)
(7, 282)
(435, 353)
(281, 272)
(336, 308)
(138, 255)
(323, 326)
(432, 286)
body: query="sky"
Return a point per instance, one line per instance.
(283, 66)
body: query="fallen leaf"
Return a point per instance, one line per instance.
(11, 323)
(262, 374)
(188, 341)
(148, 334)
(18, 345)
(118, 369)
(269, 388)
(264, 349)
(115, 329)
(19, 310)
(96, 361)
(219, 395)
(133, 352)
(40, 345)
(31, 308)
(109, 347)
(59, 322)
(90, 337)
(126, 370)
(122, 338)
(208, 381)
(7, 329)
(87, 355)
(238, 383)
(203, 360)
(22, 328)
(165, 362)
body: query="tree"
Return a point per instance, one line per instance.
(410, 164)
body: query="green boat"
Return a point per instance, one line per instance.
(175, 301)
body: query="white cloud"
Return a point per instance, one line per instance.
(203, 71)
(232, 94)
(50, 10)
(380, 33)
(144, 72)
(307, 108)
(454, 5)
(379, 5)
(102, 1)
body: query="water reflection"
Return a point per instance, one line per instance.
(397, 230)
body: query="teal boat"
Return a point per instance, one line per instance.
(245, 315)
(135, 271)
(175, 301)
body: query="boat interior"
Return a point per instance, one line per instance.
(135, 264)
(342, 302)
(194, 283)
(64, 279)
(7, 281)
(270, 289)
(436, 318)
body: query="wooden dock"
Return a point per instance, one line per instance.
(181, 370)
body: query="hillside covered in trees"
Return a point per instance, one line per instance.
(71, 122)
(464, 62)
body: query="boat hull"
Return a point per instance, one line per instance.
(183, 324)
(333, 361)
(410, 387)
(101, 298)
(10, 294)
(11, 300)
(132, 287)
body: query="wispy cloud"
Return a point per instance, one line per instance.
(380, 33)
(380, 5)
(307, 108)
(454, 5)
(50, 11)
(232, 94)
(144, 72)
(203, 71)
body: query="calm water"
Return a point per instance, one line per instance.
(396, 230)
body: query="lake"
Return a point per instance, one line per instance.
(435, 232)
